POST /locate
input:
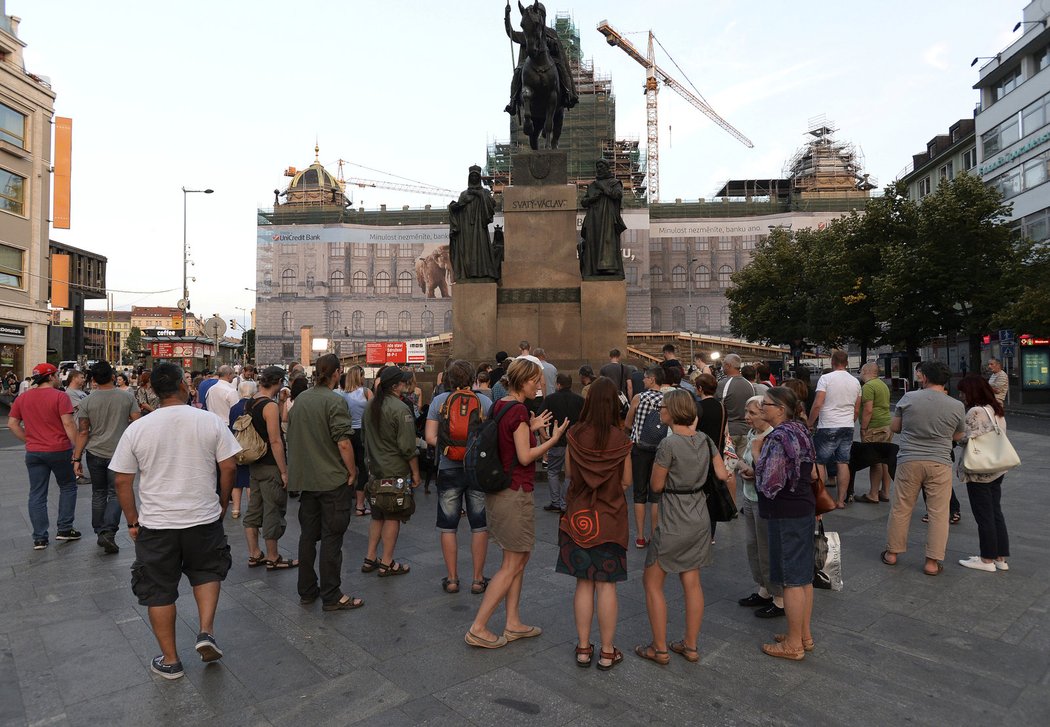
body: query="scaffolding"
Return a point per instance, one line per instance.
(588, 132)
(825, 167)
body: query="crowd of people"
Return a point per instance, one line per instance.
(179, 449)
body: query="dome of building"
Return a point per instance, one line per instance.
(314, 185)
(313, 177)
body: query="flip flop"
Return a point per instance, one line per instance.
(474, 640)
(883, 557)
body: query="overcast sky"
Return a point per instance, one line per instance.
(228, 93)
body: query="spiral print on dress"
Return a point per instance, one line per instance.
(583, 525)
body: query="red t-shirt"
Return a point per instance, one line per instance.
(41, 410)
(522, 476)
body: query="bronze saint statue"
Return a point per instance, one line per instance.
(469, 244)
(600, 254)
(542, 86)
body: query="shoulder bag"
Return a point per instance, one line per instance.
(825, 502)
(720, 504)
(991, 452)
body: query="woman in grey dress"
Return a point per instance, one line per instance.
(681, 542)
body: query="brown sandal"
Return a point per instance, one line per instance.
(614, 657)
(690, 654)
(781, 651)
(281, 564)
(254, 561)
(650, 653)
(807, 644)
(587, 651)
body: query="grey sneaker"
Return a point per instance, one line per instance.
(168, 671)
(107, 543)
(207, 648)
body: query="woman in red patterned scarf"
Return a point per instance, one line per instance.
(592, 534)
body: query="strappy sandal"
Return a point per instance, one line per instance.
(780, 650)
(614, 657)
(362, 511)
(281, 564)
(689, 653)
(392, 569)
(587, 651)
(448, 585)
(478, 587)
(254, 561)
(369, 565)
(886, 560)
(955, 518)
(807, 644)
(650, 653)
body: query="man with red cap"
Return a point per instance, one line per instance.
(42, 418)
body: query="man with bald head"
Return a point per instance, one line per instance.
(875, 423)
(223, 394)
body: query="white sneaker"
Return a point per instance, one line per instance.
(976, 563)
(1001, 564)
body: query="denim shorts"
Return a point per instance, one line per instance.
(791, 556)
(452, 493)
(833, 445)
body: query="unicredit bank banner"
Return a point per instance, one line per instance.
(378, 234)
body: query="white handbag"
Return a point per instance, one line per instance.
(991, 452)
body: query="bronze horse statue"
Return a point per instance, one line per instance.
(540, 83)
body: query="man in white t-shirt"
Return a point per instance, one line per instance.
(222, 395)
(177, 525)
(835, 409)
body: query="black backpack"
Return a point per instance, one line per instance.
(652, 432)
(481, 462)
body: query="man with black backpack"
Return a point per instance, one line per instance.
(647, 431)
(448, 423)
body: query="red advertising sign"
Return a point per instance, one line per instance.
(389, 352)
(1027, 340)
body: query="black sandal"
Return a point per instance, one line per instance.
(448, 585)
(587, 651)
(478, 587)
(369, 565)
(281, 564)
(955, 518)
(254, 561)
(392, 569)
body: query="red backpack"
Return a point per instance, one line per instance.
(460, 409)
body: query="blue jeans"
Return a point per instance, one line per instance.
(105, 508)
(454, 496)
(556, 475)
(40, 466)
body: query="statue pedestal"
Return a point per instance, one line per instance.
(541, 297)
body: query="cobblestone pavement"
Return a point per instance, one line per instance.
(894, 646)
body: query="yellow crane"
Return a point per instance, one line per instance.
(653, 74)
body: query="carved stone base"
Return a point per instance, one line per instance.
(474, 321)
(603, 307)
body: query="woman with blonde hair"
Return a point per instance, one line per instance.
(511, 513)
(681, 541)
(592, 534)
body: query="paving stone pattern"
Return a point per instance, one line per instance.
(894, 646)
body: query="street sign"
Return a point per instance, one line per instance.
(1007, 350)
(1006, 335)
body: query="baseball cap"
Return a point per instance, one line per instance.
(44, 369)
(390, 374)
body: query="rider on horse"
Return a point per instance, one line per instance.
(569, 98)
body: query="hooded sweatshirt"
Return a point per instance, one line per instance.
(595, 508)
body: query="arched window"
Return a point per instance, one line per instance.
(656, 274)
(357, 321)
(428, 322)
(382, 282)
(703, 318)
(404, 322)
(267, 281)
(658, 319)
(381, 322)
(678, 277)
(288, 281)
(287, 322)
(448, 321)
(335, 322)
(702, 276)
(335, 282)
(677, 318)
(724, 315)
(359, 283)
(310, 281)
(724, 274)
(404, 283)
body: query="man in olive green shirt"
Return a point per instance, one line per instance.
(321, 467)
(875, 423)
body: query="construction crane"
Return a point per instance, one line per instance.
(415, 187)
(653, 74)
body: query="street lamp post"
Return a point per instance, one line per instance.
(185, 248)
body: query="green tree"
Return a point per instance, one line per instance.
(134, 341)
(248, 341)
(1030, 312)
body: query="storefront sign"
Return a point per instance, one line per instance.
(10, 329)
(416, 352)
(1006, 158)
(163, 332)
(1027, 340)
(388, 352)
(161, 350)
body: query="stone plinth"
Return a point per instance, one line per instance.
(474, 321)
(603, 305)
